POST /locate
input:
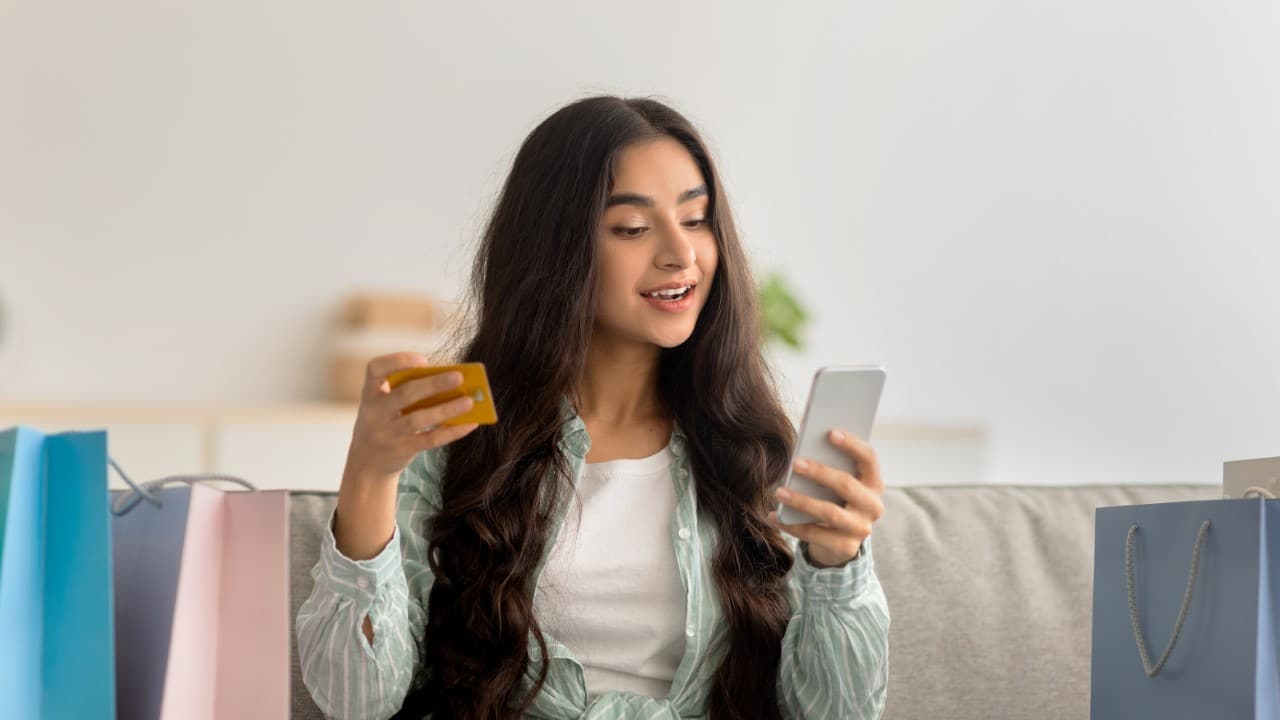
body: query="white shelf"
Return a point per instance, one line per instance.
(304, 447)
(296, 447)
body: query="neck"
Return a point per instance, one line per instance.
(619, 384)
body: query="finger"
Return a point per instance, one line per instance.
(444, 435)
(856, 495)
(824, 511)
(864, 456)
(430, 417)
(378, 368)
(840, 481)
(411, 391)
(832, 540)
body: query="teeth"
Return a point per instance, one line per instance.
(670, 293)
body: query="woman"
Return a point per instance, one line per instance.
(608, 549)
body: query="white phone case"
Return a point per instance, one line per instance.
(843, 397)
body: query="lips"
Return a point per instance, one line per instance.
(677, 304)
(670, 286)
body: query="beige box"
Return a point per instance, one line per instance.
(394, 310)
(351, 349)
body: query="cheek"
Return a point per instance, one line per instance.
(612, 289)
(709, 259)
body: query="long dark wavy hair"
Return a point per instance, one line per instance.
(529, 317)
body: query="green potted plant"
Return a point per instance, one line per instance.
(782, 317)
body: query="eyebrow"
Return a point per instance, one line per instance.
(646, 201)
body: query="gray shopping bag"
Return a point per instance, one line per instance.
(1184, 611)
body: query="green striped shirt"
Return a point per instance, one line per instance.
(835, 652)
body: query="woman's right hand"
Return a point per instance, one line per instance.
(384, 442)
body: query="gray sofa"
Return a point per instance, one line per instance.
(989, 588)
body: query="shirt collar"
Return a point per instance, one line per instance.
(575, 439)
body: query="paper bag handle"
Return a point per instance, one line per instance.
(130, 499)
(1152, 671)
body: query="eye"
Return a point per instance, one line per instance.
(630, 231)
(694, 224)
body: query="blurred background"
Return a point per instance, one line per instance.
(1054, 223)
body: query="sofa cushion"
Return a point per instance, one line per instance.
(309, 511)
(990, 593)
(989, 587)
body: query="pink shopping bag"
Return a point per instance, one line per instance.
(202, 605)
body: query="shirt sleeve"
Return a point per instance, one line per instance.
(346, 675)
(835, 652)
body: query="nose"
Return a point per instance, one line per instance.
(676, 250)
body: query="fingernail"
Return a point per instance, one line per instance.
(837, 435)
(455, 378)
(784, 494)
(802, 464)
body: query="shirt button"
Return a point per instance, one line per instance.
(684, 533)
(362, 582)
(689, 631)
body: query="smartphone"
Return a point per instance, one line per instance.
(475, 382)
(844, 397)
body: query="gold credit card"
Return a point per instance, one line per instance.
(475, 382)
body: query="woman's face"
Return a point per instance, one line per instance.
(655, 232)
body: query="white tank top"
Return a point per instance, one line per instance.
(610, 590)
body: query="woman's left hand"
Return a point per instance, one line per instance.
(842, 525)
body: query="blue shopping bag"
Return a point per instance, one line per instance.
(1184, 611)
(57, 658)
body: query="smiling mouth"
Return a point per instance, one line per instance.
(669, 295)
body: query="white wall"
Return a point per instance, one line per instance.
(1057, 220)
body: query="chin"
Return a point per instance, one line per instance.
(671, 341)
